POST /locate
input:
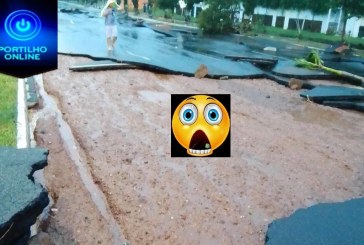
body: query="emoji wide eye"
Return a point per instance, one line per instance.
(213, 114)
(188, 114)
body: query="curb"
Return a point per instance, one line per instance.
(22, 128)
(27, 98)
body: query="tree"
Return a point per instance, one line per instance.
(350, 8)
(218, 17)
(136, 6)
(249, 6)
(190, 3)
(166, 4)
(319, 6)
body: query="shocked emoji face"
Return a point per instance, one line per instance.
(200, 124)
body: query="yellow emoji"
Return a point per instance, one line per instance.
(200, 124)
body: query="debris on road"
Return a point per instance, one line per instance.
(295, 84)
(201, 71)
(314, 61)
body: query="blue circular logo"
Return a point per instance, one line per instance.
(22, 25)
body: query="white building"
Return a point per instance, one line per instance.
(287, 19)
(332, 21)
(355, 27)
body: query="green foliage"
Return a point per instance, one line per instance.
(249, 6)
(191, 2)
(218, 17)
(330, 32)
(214, 22)
(316, 6)
(166, 4)
(168, 14)
(319, 6)
(160, 13)
(350, 7)
(136, 6)
(245, 26)
(8, 97)
(315, 58)
(313, 61)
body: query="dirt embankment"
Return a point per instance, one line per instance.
(286, 154)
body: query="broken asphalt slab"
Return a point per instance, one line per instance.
(356, 68)
(334, 93)
(21, 199)
(335, 223)
(101, 65)
(286, 81)
(337, 96)
(359, 106)
(257, 61)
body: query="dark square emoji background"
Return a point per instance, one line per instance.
(178, 150)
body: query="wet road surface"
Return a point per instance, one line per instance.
(79, 34)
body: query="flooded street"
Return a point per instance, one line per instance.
(112, 177)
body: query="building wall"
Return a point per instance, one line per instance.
(330, 20)
(292, 14)
(353, 25)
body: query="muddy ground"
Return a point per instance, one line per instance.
(286, 153)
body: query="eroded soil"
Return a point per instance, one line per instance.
(286, 153)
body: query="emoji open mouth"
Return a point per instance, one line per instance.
(200, 144)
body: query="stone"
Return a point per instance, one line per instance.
(201, 71)
(22, 200)
(295, 84)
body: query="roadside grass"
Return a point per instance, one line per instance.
(357, 43)
(8, 111)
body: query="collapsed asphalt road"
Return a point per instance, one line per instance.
(141, 46)
(286, 153)
(180, 50)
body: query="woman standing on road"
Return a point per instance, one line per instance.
(109, 12)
